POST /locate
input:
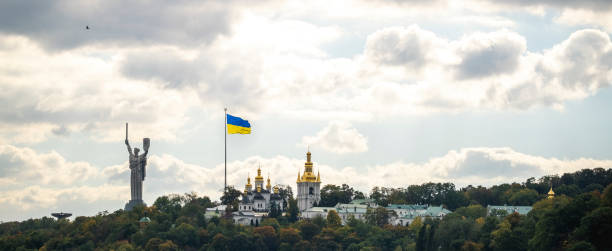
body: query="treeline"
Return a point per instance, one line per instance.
(571, 221)
(446, 194)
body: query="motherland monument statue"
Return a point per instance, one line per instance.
(138, 165)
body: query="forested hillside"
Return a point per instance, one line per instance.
(579, 217)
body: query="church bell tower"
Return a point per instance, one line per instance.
(309, 186)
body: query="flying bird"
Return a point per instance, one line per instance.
(87, 27)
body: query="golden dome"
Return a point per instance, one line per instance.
(248, 185)
(551, 193)
(308, 175)
(275, 189)
(259, 177)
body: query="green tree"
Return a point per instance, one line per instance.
(184, 235)
(523, 197)
(293, 210)
(168, 246)
(309, 230)
(472, 211)
(332, 195)
(421, 239)
(231, 197)
(510, 234)
(240, 241)
(454, 230)
(303, 246)
(416, 224)
(555, 224)
(606, 196)
(286, 194)
(153, 244)
(471, 246)
(333, 219)
(290, 236)
(596, 227)
(275, 211)
(271, 222)
(219, 242)
(581, 246)
(268, 234)
(379, 216)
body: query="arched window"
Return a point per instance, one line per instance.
(311, 191)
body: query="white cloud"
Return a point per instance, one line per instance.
(79, 91)
(402, 71)
(269, 62)
(581, 17)
(108, 188)
(24, 165)
(338, 137)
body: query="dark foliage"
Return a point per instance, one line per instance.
(578, 218)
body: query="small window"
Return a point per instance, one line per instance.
(311, 191)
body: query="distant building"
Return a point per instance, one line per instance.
(358, 209)
(308, 186)
(352, 209)
(507, 210)
(245, 218)
(217, 211)
(60, 216)
(257, 202)
(144, 221)
(317, 211)
(405, 214)
(260, 199)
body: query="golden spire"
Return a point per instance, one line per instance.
(298, 176)
(551, 193)
(259, 177)
(318, 176)
(268, 186)
(308, 175)
(248, 186)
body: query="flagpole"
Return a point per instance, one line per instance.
(225, 134)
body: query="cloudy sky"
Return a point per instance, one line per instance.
(385, 93)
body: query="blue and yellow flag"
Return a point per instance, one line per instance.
(237, 125)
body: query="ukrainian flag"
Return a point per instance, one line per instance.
(237, 125)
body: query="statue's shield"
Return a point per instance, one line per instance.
(146, 142)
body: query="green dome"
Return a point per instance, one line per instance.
(145, 220)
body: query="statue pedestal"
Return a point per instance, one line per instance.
(132, 203)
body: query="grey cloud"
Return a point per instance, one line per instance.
(228, 82)
(501, 55)
(61, 24)
(411, 2)
(168, 69)
(596, 5)
(398, 46)
(481, 164)
(61, 131)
